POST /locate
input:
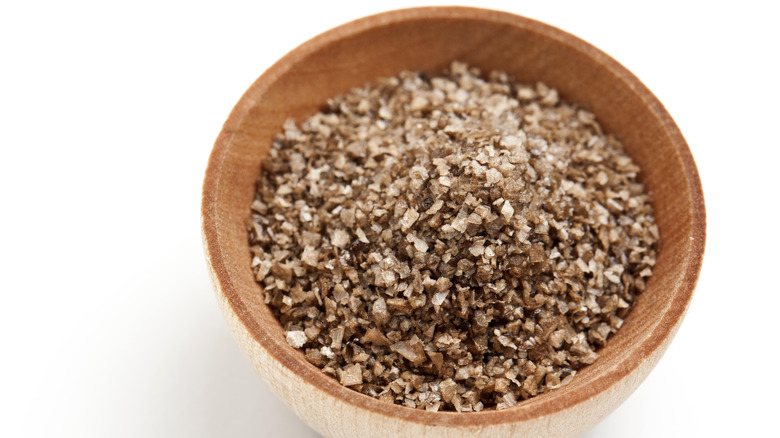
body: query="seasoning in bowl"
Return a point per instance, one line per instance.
(450, 243)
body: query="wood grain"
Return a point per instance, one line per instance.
(428, 39)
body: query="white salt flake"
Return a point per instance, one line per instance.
(340, 238)
(418, 243)
(507, 211)
(410, 217)
(493, 176)
(361, 235)
(438, 298)
(310, 256)
(296, 338)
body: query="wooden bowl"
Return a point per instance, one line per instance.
(428, 39)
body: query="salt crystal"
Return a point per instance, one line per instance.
(438, 298)
(296, 338)
(493, 176)
(507, 211)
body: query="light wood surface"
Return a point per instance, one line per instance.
(429, 39)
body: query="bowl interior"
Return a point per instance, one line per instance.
(428, 40)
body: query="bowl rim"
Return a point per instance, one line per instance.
(544, 404)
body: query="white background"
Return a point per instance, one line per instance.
(108, 324)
